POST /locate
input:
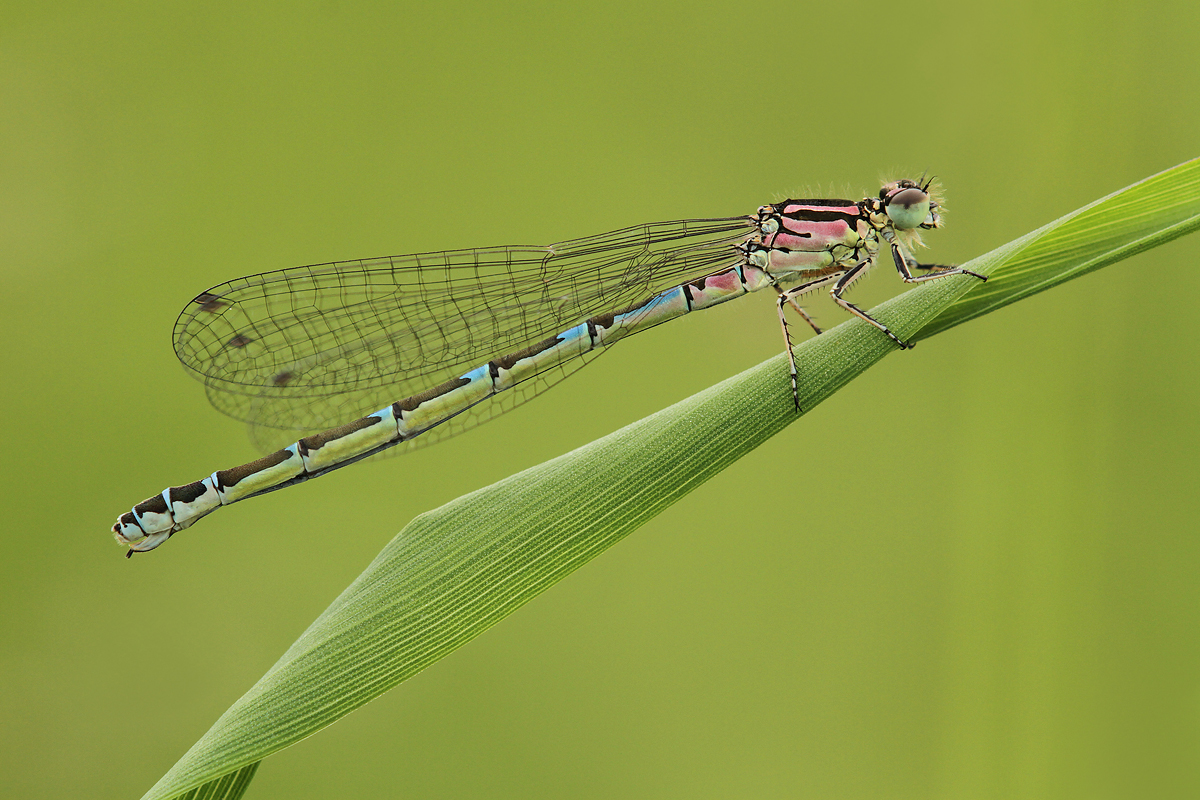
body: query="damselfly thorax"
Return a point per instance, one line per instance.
(307, 348)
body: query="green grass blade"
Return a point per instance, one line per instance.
(1149, 213)
(229, 786)
(455, 571)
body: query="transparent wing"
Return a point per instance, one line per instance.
(307, 348)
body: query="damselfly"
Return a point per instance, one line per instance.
(306, 348)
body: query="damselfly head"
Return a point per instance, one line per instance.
(909, 205)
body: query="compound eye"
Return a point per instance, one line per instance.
(908, 208)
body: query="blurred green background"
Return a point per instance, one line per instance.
(972, 573)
